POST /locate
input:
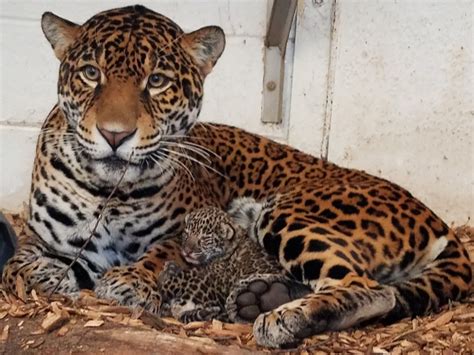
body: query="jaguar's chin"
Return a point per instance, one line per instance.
(113, 162)
(113, 169)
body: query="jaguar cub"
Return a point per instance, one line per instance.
(228, 260)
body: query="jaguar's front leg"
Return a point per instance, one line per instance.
(137, 284)
(335, 308)
(44, 270)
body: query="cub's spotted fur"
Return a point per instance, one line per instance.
(229, 259)
(130, 88)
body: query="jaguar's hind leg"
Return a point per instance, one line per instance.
(347, 302)
(448, 277)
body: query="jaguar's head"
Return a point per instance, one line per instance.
(130, 80)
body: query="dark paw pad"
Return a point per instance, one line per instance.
(249, 312)
(275, 297)
(261, 297)
(258, 287)
(246, 298)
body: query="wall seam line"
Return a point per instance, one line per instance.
(333, 48)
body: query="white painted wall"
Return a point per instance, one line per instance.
(380, 85)
(403, 98)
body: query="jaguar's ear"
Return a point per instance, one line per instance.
(59, 32)
(205, 46)
(227, 231)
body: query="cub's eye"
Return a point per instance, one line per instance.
(157, 81)
(91, 73)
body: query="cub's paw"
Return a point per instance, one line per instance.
(130, 286)
(261, 293)
(197, 314)
(171, 268)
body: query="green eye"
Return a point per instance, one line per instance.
(91, 73)
(157, 81)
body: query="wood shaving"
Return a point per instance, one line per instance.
(441, 320)
(20, 288)
(93, 323)
(4, 335)
(53, 321)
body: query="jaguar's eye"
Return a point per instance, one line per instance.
(157, 81)
(91, 73)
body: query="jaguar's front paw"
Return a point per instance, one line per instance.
(286, 326)
(262, 293)
(45, 275)
(131, 287)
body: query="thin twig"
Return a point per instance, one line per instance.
(99, 218)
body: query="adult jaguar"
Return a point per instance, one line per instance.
(130, 89)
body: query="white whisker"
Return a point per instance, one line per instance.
(209, 151)
(181, 136)
(196, 161)
(201, 153)
(182, 165)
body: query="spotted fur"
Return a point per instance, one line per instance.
(130, 88)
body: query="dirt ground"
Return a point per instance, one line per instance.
(32, 324)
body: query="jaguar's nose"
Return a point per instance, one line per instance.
(115, 139)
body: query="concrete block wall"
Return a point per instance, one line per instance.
(381, 85)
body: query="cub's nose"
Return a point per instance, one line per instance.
(115, 139)
(186, 251)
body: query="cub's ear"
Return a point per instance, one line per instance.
(59, 32)
(205, 46)
(227, 231)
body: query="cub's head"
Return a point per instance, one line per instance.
(209, 234)
(129, 81)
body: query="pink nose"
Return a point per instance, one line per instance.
(115, 139)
